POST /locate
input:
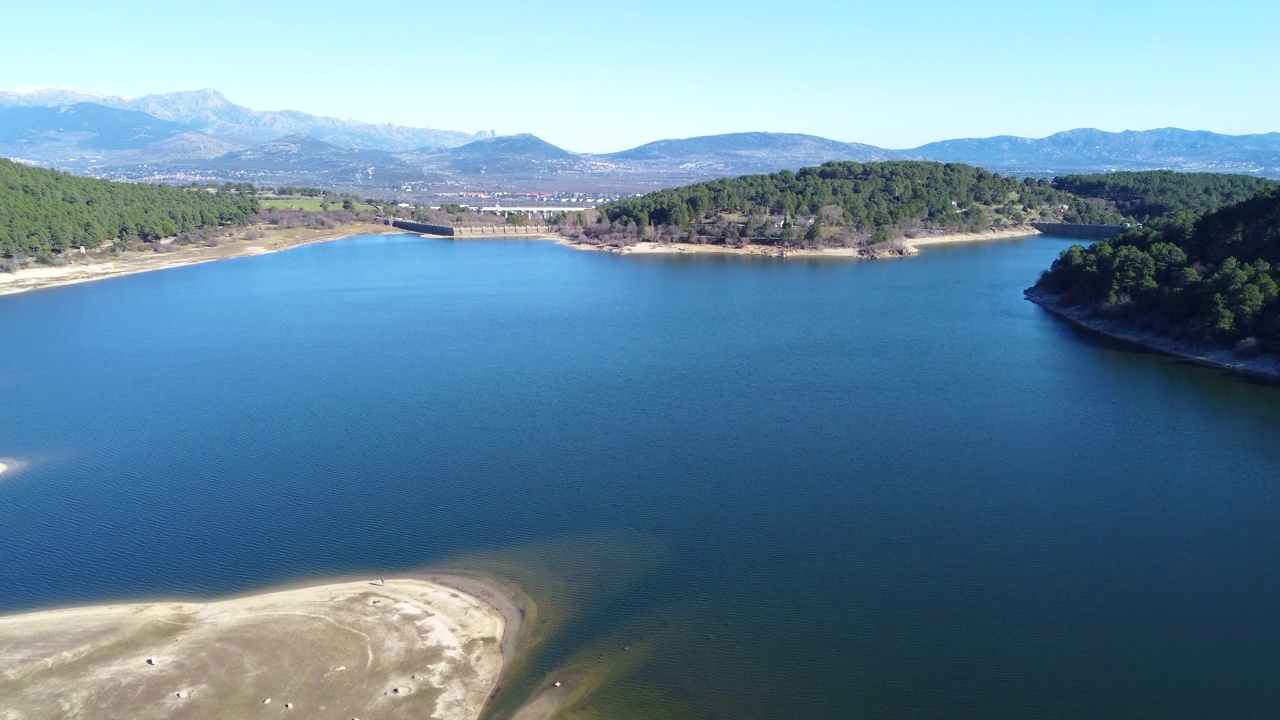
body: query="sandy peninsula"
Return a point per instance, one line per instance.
(411, 648)
(904, 247)
(107, 265)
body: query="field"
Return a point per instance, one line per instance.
(306, 204)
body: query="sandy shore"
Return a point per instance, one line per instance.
(1265, 367)
(410, 649)
(113, 265)
(904, 247)
(1002, 234)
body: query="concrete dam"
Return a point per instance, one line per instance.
(473, 231)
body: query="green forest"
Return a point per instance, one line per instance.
(879, 200)
(1142, 196)
(44, 212)
(1209, 277)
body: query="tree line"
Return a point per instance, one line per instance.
(879, 200)
(1211, 276)
(45, 212)
(1144, 195)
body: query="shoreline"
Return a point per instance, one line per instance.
(902, 247)
(1220, 358)
(435, 612)
(47, 276)
(487, 592)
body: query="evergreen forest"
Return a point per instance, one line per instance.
(1142, 196)
(1206, 277)
(45, 212)
(879, 200)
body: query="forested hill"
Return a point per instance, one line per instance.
(877, 200)
(1145, 195)
(1205, 278)
(43, 212)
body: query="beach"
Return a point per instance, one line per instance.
(903, 247)
(103, 265)
(409, 648)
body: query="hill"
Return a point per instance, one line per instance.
(1089, 149)
(846, 203)
(85, 124)
(1199, 278)
(510, 155)
(743, 153)
(1145, 195)
(302, 159)
(44, 212)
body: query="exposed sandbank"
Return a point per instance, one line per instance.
(1265, 367)
(97, 268)
(904, 247)
(338, 650)
(1001, 234)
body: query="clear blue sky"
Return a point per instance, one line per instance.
(600, 76)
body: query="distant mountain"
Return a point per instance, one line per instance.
(303, 159)
(84, 124)
(209, 112)
(1088, 149)
(200, 135)
(77, 137)
(520, 155)
(743, 153)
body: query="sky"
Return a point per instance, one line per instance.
(604, 76)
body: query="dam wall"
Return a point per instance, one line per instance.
(474, 231)
(500, 231)
(424, 228)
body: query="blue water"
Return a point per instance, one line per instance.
(827, 489)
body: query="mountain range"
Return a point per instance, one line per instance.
(200, 135)
(210, 113)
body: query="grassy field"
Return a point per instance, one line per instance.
(306, 204)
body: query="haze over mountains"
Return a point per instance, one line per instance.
(200, 135)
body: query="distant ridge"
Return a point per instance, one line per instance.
(208, 111)
(753, 151)
(1091, 149)
(200, 134)
(106, 128)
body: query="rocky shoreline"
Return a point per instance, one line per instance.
(1265, 367)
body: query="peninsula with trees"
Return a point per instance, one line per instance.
(1201, 282)
(877, 209)
(57, 229)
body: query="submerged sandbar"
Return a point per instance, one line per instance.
(408, 649)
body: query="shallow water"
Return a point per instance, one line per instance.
(820, 489)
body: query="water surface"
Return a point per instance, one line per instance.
(800, 488)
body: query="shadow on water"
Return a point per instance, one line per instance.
(1086, 337)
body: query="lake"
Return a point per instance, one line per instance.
(788, 488)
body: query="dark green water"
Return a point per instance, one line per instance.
(794, 489)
